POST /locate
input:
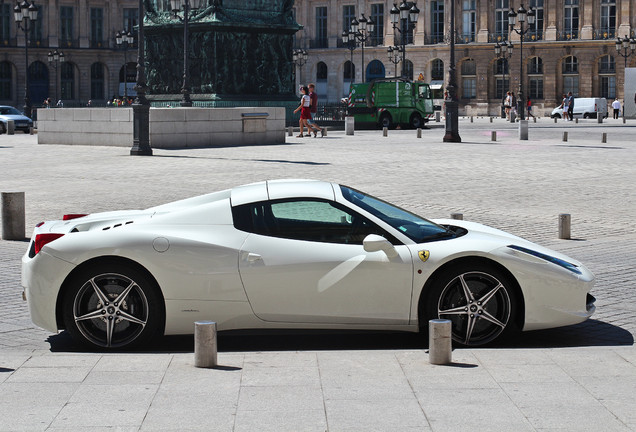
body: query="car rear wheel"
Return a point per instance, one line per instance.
(112, 307)
(478, 300)
(416, 121)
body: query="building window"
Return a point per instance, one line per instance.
(608, 19)
(535, 78)
(131, 18)
(502, 78)
(408, 69)
(469, 15)
(97, 81)
(536, 30)
(5, 80)
(571, 19)
(607, 72)
(437, 70)
(66, 25)
(97, 26)
(607, 65)
(348, 14)
(501, 19)
(321, 71)
(535, 66)
(570, 75)
(349, 70)
(321, 28)
(502, 87)
(608, 87)
(437, 22)
(469, 79)
(570, 65)
(67, 81)
(377, 15)
(6, 17)
(375, 69)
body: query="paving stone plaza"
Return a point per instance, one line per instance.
(575, 378)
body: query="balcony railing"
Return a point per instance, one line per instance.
(567, 35)
(604, 34)
(434, 40)
(497, 37)
(98, 44)
(319, 43)
(464, 38)
(68, 43)
(533, 36)
(9, 42)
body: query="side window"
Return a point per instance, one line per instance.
(308, 220)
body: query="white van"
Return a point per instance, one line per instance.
(585, 108)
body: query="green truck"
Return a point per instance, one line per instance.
(389, 102)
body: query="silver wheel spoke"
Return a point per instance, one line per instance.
(469, 329)
(486, 298)
(91, 315)
(126, 316)
(492, 319)
(460, 310)
(110, 330)
(124, 293)
(467, 293)
(102, 297)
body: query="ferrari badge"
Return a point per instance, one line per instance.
(424, 255)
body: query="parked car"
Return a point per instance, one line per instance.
(299, 254)
(20, 121)
(585, 108)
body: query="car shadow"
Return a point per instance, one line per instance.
(587, 334)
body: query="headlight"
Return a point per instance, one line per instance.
(553, 260)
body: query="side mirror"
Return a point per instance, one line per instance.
(375, 243)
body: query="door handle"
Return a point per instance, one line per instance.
(251, 257)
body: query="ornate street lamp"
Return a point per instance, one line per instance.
(350, 44)
(188, 6)
(299, 56)
(403, 20)
(504, 51)
(450, 102)
(625, 44)
(361, 30)
(124, 40)
(141, 106)
(25, 15)
(521, 16)
(395, 54)
(53, 58)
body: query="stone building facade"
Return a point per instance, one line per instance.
(85, 32)
(570, 47)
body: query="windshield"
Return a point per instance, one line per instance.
(411, 225)
(9, 111)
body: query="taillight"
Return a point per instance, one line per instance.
(42, 239)
(72, 216)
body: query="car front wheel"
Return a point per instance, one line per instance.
(478, 300)
(112, 307)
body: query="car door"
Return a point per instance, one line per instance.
(304, 262)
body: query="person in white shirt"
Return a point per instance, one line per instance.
(616, 105)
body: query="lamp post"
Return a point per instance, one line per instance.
(350, 44)
(361, 30)
(451, 103)
(299, 56)
(124, 40)
(25, 15)
(395, 55)
(55, 57)
(406, 17)
(188, 6)
(521, 16)
(141, 106)
(504, 51)
(625, 44)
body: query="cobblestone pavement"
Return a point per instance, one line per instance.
(517, 186)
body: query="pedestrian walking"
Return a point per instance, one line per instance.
(529, 106)
(564, 107)
(507, 105)
(616, 105)
(305, 110)
(570, 106)
(314, 109)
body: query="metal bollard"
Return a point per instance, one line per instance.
(324, 131)
(604, 138)
(565, 136)
(457, 216)
(493, 136)
(13, 215)
(290, 131)
(419, 132)
(565, 224)
(10, 127)
(576, 120)
(490, 119)
(555, 120)
(31, 132)
(349, 125)
(471, 119)
(599, 118)
(205, 353)
(385, 131)
(438, 116)
(523, 130)
(623, 120)
(440, 342)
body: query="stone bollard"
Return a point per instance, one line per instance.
(523, 130)
(576, 120)
(385, 131)
(490, 119)
(565, 224)
(457, 216)
(624, 120)
(13, 215)
(535, 119)
(10, 127)
(349, 125)
(513, 117)
(31, 132)
(493, 136)
(205, 352)
(438, 116)
(290, 131)
(471, 119)
(599, 118)
(324, 131)
(604, 137)
(440, 342)
(555, 120)
(419, 132)
(565, 136)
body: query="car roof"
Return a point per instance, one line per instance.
(281, 189)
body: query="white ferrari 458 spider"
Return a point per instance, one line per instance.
(285, 254)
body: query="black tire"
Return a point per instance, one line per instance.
(386, 121)
(586, 116)
(26, 131)
(112, 306)
(557, 116)
(417, 121)
(3, 128)
(479, 300)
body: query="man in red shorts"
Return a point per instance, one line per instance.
(314, 110)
